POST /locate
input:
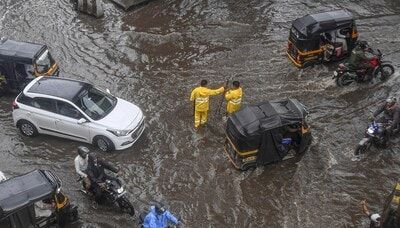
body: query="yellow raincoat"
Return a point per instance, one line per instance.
(200, 96)
(234, 99)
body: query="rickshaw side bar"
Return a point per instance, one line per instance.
(250, 152)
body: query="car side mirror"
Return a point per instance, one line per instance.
(81, 121)
(108, 91)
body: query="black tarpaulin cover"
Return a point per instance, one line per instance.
(314, 24)
(18, 192)
(23, 52)
(260, 127)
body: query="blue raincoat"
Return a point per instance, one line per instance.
(153, 220)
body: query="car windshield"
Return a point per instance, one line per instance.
(95, 103)
(44, 62)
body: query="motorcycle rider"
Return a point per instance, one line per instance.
(391, 111)
(359, 57)
(81, 164)
(158, 217)
(97, 176)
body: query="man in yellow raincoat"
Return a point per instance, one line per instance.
(234, 98)
(200, 96)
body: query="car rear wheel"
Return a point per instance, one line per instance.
(27, 128)
(103, 143)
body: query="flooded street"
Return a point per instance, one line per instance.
(155, 54)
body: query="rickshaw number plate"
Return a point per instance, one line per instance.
(251, 158)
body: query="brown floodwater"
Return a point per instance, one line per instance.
(155, 54)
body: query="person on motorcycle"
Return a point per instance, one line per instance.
(97, 176)
(391, 112)
(81, 164)
(158, 217)
(360, 56)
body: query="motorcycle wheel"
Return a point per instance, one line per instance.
(361, 149)
(342, 81)
(126, 206)
(383, 72)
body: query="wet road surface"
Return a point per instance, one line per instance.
(155, 54)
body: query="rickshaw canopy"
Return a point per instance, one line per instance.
(314, 24)
(22, 52)
(18, 192)
(255, 119)
(261, 127)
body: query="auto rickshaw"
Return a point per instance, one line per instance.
(20, 62)
(322, 37)
(268, 132)
(34, 200)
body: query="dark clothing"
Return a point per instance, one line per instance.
(357, 59)
(392, 113)
(96, 174)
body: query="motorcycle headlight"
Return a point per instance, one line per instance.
(120, 190)
(118, 132)
(370, 131)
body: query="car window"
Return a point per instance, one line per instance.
(44, 104)
(66, 109)
(95, 103)
(24, 99)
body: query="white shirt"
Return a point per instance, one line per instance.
(2, 177)
(81, 165)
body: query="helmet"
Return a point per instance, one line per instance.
(83, 151)
(390, 100)
(159, 208)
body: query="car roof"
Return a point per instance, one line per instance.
(11, 50)
(21, 191)
(58, 87)
(314, 24)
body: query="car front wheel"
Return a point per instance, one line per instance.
(103, 143)
(27, 128)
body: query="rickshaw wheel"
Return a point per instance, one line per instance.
(247, 166)
(340, 81)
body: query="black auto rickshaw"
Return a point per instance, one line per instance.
(391, 211)
(20, 62)
(321, 37)
(268, 132)
(34, 200)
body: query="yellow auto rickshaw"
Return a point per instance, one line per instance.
(268, 132)
(322, 37)
(20, 62)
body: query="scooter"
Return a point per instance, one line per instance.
(114, 193)
(375, 134)
(378, 68)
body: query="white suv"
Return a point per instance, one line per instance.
(79, 111)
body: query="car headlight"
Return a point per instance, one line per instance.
(120, 190)
(118, 132)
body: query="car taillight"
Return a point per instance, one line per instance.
(14, 105)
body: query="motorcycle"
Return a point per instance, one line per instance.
(114, 192)
(376, 134)
(377, 69)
